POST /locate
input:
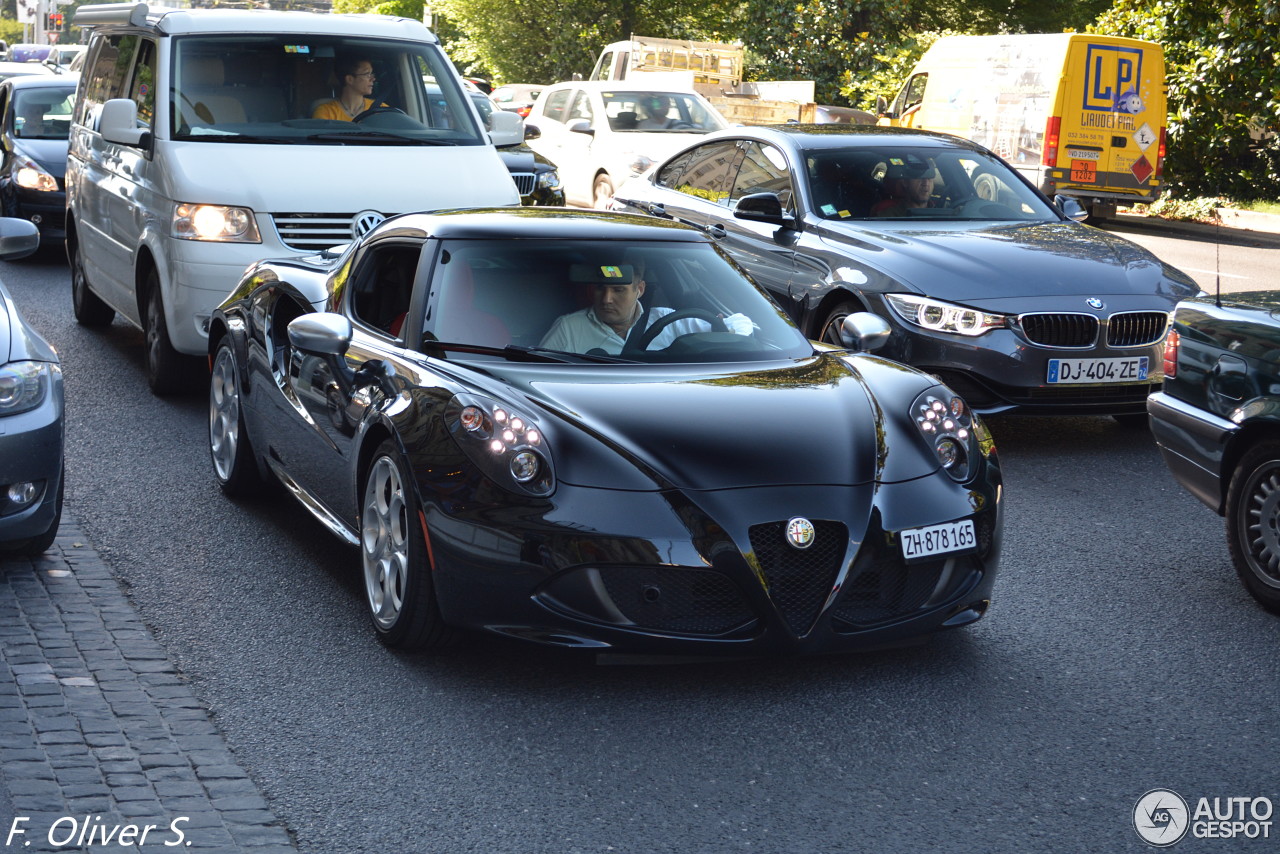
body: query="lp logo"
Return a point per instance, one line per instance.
(1111, 79)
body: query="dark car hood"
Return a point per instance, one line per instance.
(522, 158)
(17, 340)
(983, 263)
(51, 154)
(808, 422)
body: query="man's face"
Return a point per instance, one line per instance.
(615, 305)
(916, 191)
(657, 107)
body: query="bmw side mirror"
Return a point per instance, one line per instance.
(863, 331)
(1071, 208)
(582, 126)
(321, 333)
(18, 238)
(763, 207)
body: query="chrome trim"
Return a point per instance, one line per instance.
(313, 505)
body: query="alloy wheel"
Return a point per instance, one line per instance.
(384, 542)
(224, 414)
(1260, 523)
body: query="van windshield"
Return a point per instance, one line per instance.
(317, 90)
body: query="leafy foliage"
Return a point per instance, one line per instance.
(1223, 69)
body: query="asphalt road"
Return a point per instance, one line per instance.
(1120, 655)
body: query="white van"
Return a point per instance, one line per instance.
(194, 153)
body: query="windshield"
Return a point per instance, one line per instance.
(43, 113)
(660, 111)
(897, 182)
(639, 301)
(317, 90)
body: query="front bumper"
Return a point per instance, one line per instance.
(31, 450)
(712, 574)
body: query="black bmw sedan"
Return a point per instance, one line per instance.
(986, 283)
(592, 430)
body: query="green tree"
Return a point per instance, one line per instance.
(1223, 69)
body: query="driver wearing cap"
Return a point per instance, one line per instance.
(655, 108)
(908, 185)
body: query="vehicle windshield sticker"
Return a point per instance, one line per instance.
(896, 161)
(611, 272)
(829, 210)
(844, 214)
(297, 48)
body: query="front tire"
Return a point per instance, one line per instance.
(829, 333)
(1253, 523)
(602, 192)
(229, 448)
(393, 551)
(168, 371)
(89, 310)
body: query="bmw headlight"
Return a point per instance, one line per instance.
(217, 223)
(942, 316)
(950, 429)
(506, 445)
(31, 176)
(550, 180)
(23, 386)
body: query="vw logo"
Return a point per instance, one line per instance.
(800, 532)
(363, 223)
(1094, 302)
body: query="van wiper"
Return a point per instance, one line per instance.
(244, 137)
(374, 136)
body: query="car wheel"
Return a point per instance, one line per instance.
(168, 371)
(233, 460)
(1253, 523)
(830, 331)
(41, 544)
(601, 192)
(85, 304)
(393, 550)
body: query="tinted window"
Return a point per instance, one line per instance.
(106, 79)
(706, 172)
(556, 104)
(383, 284)
(764, 170)
(142, 87)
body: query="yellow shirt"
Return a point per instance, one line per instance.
(335, 111)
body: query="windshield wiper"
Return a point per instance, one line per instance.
(374, 136)
(565, 356)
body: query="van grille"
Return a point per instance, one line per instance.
(1060, 330)
(524, 182)
(312, 231)
(1136, 328)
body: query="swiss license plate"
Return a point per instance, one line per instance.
(1126, 369)
(933, 540)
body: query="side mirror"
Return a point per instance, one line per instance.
(882, 106)
(582, 126)
(321, 333)
(532, 132)
(1071, 208)
(119, 123)
(505, 128)
(18, 238)
(863, 331)
(763, 207)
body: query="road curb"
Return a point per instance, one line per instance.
(98, 729)
(1258, 229)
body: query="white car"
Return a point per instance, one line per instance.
(601, 133)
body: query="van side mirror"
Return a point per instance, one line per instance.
(763, 207)
(882, 106)
(119, 123)
(505, 128)
(1070, 208)
(863, 331)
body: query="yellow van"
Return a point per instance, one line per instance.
(1080, 115)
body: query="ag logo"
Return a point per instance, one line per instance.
(1161, 817)
(800, 532)
(364, 222)
(1094, 302)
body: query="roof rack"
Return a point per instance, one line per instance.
(134, 14)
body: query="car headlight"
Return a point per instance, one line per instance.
(23, 386)
(218, 223)
(944, 316)
(29, 175)
(506, 445)
(549, 180)
(952, 432)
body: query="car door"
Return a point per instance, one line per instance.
(580, 163)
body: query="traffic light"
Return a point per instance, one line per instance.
(53, 21)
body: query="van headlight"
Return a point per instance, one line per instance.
(943, 316)
(218, 223)
(28, 175)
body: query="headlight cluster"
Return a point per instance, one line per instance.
(29, 175)
(217, 223)
(507, 446)
(948, 428)
(944, 316)
(23, 386)
(549, 180)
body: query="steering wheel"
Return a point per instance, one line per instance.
(374, 111)
(646, 337)
(677, 124)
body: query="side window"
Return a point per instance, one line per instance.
(914, 93)
(669, 176)
(383, 285)
(557, 102)
(581, 108)
(142, 89)
(106, 79)
(706, 171)
(764, 170)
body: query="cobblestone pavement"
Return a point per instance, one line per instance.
(99, 733)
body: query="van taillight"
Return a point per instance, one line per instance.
(1052, 128)
(1171, 342)
(1160, 155)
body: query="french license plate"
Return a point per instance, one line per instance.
(918, 543)
(1114, 370)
